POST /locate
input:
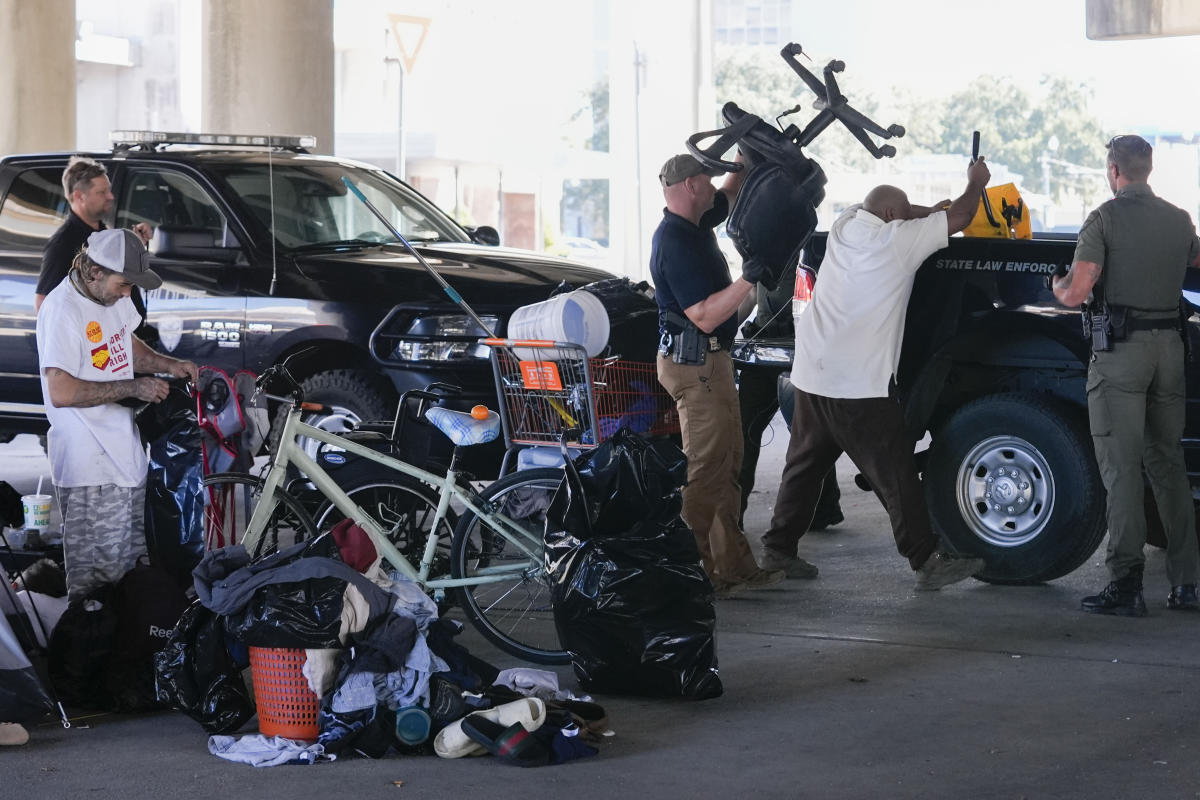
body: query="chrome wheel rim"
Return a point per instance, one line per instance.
(1005, 491)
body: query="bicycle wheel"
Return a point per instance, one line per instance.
(229, 500)
(405, 510)
(517, 614)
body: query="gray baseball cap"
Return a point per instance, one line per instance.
(684, 166)
(122, 251)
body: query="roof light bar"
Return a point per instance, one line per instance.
(129, 138)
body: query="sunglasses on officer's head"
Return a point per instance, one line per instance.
(1124, 140)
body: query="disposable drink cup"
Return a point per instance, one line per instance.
(37, 511)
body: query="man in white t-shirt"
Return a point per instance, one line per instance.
(88, 356)
(847, 350)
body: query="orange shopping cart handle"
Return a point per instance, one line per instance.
(527, 343)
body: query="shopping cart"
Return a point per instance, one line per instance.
(552, 394)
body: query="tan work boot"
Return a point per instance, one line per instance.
(942, 569)
(792, 566)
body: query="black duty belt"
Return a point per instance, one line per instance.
(666, 344)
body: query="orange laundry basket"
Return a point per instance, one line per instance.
(286, 706)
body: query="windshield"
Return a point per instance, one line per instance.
(313, 208)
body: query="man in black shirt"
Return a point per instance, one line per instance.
(89, 194)
(698, 302)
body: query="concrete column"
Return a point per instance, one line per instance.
(268, 68)
(1142, 19)
(37, 76)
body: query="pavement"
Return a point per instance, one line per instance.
(848, 686)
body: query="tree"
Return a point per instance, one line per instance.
(584, 208)
(1016, 126)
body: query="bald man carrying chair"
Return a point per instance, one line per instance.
(847, 350)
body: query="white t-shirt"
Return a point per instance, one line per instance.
(100, 444)
(848, 339)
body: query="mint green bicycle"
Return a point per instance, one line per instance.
(492, 545)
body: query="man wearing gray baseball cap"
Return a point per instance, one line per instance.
(697, 320)
(88, 357)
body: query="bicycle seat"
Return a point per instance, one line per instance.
(463, 429)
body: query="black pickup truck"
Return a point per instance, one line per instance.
(265, 255)
(994, 370)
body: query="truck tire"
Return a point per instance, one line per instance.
(353, 395)
(1012, 478)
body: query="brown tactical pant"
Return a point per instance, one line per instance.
(706, 397)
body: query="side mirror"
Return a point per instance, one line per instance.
(485, 234)
(190, 244)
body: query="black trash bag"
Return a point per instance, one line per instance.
(630, 480)
(148, 604)
(80, 647)
(199, 673)
(174, 491)
(299, 614)
(303, 614)
(633, 607)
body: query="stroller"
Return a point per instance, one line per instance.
(776, 209)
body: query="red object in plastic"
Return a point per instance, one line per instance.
(355, 547)
(805, 280)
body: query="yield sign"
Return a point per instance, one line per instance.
(410, 34)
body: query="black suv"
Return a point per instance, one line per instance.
(265, 254)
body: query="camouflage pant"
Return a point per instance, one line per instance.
(104, 533)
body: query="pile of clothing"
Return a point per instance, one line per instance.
(386, 668)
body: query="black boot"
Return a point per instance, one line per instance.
(1122, 597)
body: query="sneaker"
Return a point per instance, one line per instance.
(1121, 598)
(758, 579)
(722, 590)
(13, 733)
(763, 577)
(792, 566)
(1183, 598)
(942, 569)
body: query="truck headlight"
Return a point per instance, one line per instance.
(443, 337)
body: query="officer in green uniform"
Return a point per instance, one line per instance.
(1132, 255)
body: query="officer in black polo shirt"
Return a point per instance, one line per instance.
(1132, 256)
(697, 313)
(90, 199)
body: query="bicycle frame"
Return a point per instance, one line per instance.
(289, 452)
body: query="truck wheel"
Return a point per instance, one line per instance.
(352, 395)
(1013, 479)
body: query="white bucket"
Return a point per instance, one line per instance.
(37, 511)
(577, 317)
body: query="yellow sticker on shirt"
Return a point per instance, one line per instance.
(100, 357)
(94, 332)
